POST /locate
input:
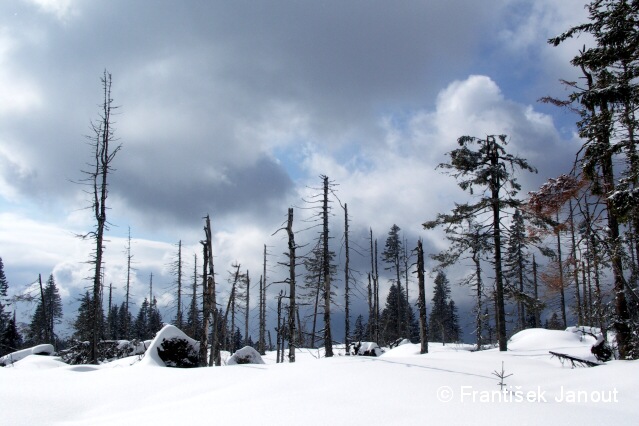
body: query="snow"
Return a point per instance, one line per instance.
(246, 354)
(18, 355)
(151, 357)
(449, 385)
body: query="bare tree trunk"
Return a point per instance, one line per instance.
(328, 340)
(479, 285)
(44, 311)
(421, 301)
(279, 326)
(536, 294)
(291, 282)
(300, 333)
(193, 312)
(376, 284)
(206, 307)
(128, 286)
(215, 344)
(104, 156)
(230, 344)
(370, 307)
(178, 319)
(562, 292)
(261, 344)
(246, 315)
(371, 293)
(406, 311)
(263, 308)
(495, 185)
(347, 323)
(318, 291)
(575, 270)
(110, 314)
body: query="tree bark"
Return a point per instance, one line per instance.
(291, 281)
(423, 324)
(328, 340)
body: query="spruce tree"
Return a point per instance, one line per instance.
(607, 104)
(484, 169)
(82, 326)
(10, 339)
(393, 256)
(517, 268)
(141, 325)
(440, 325)
(389, 318)
(4, 316)
(359, 331)
(48, 313)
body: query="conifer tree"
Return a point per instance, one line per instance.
(10, 339)
(82, 326)
(359, 330)
(393, 256)
(4, 316)
(484, 164)
(517, 267)
(48, 313)
(607, 105)
(442, 327)
(389, 318)
(141, 325)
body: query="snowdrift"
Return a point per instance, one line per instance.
(18, 355)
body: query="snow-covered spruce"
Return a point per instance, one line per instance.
(246, 355)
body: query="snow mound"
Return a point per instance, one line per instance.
(402, 351)
(539, 339)
(246, 355)
(38, 362)
(18, 355)
(168, 332)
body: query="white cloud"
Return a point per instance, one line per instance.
(18, 94)
(61, 9)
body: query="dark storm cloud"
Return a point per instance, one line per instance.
(191, 78)
(183, 194)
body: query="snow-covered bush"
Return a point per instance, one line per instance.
(108, 350)
(246, 355)
(366, 349)
(177, 352)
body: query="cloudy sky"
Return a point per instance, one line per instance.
(235, 108)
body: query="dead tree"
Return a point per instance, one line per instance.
(129, 258)
(104, 153)
(421, 301)
(263, 286)
(193, 318)
(347, 325)
(291, 281)
(246, 311)
(178, 275)
(328, 340)
(215, 344)
(261, 344)
(206, 309)
(209, 303)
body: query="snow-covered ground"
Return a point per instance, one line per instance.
(449, 385)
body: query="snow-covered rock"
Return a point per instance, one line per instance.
(246, 355)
